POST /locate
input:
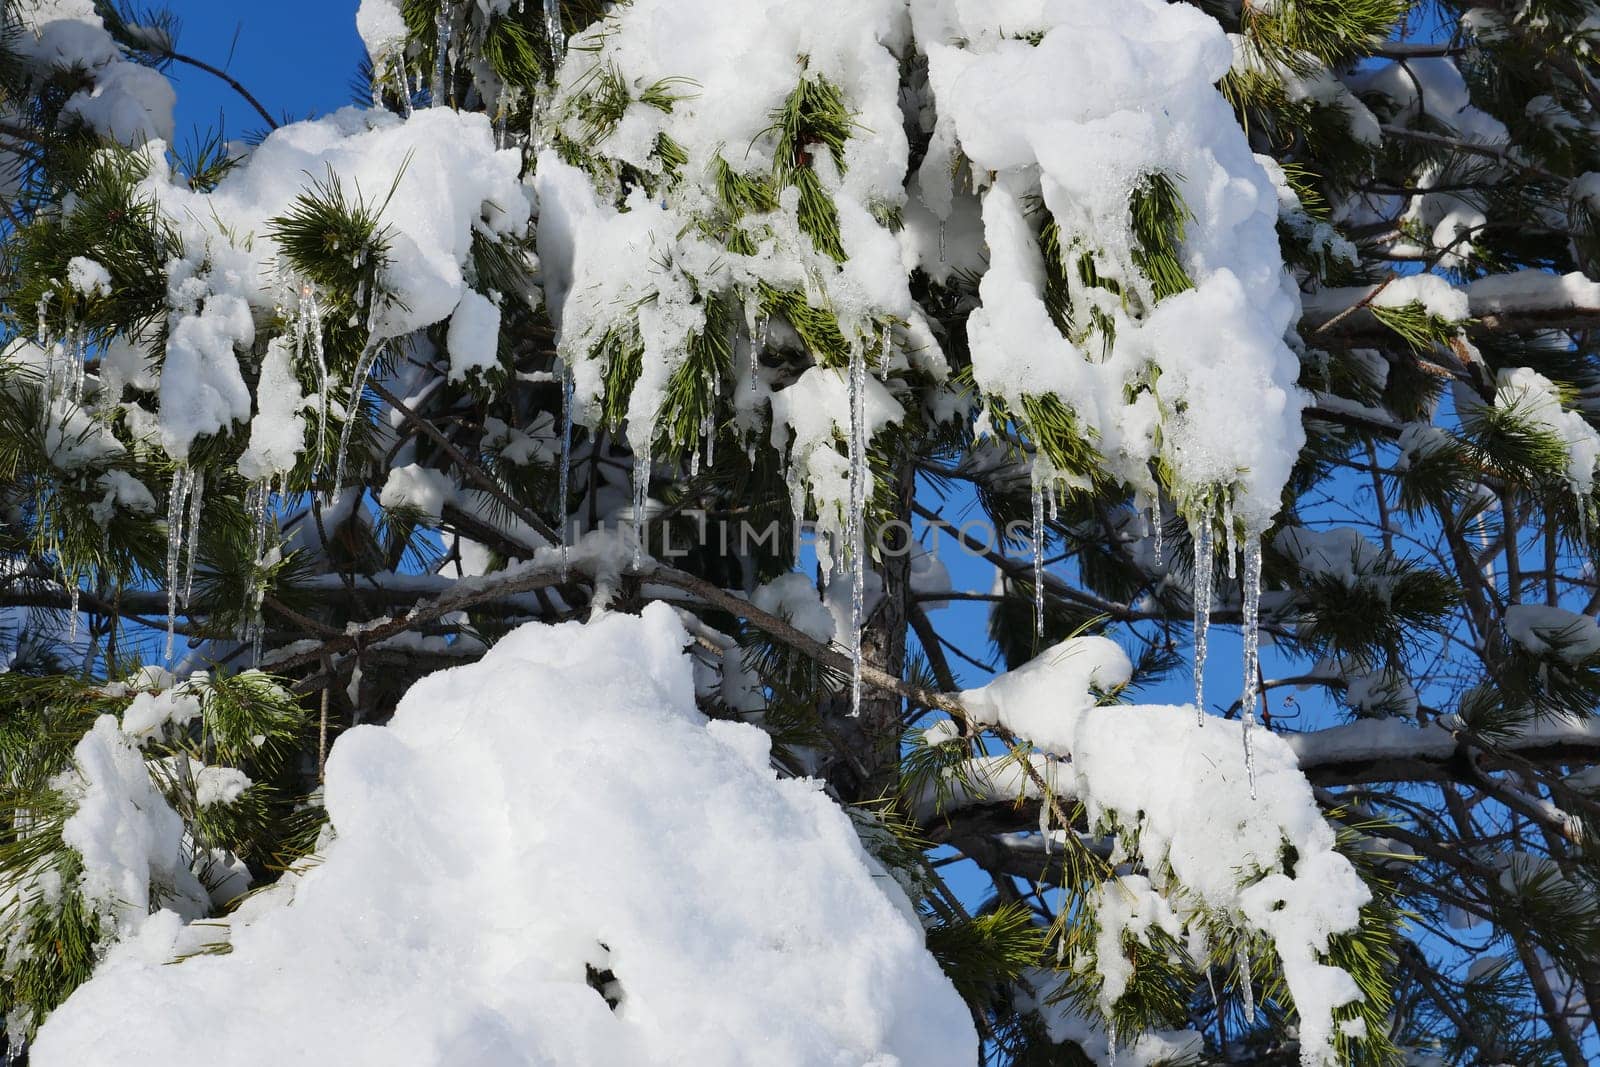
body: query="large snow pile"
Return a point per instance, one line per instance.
(1214, 845)
(557, 814)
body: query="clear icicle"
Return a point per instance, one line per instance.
(177, 498)
(1232, 549)
(358, 385)
(1158, 530)
(641, 497)
(565, 488)
(1044, 824)
(1246, 985)
(308, 339)
(1037, 483)
(556, 32)
(1252, 646)
(405, 83)
(1111, 1043)
(441, 50)
(1202, 604)
(73, 592)
(758, 342)
(197, 488)
(856, 524)
(797, 503)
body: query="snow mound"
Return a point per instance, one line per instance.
(555, 811)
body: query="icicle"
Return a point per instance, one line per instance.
(308, 340)
(1201, 524)
(1044, 823)
(565, 489)
(641, 496)
(555, 31)
(1037, 484)
(855, 522)
(1246, 984)
(941, 240)
(197, 488)
(759, 345)
(797, 503)
(73, 593)
(405, 82)
(1232, 549)
(1252, 639)
(441, 46)
(1111, 1043)
(886, 340)
(358, 385)
(177, 498)
(1158, 530)
(711, 440)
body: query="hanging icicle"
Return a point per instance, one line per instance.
(565, 487)
(358, 386)
(73, 593)
(1252, 642)
(1158, 530)
(308, 344)
(855, 527)
(197, 487)
(437, 93)
(556, 32)
(1201, 526)
(1232, 542)
(1036, 483)
(641, 500)
(177, 503)
(1247, 987)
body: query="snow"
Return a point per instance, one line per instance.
(452, 183)
(278, 432)
(1545, 630)
(382, 27)
(1142, 100)
(126, 101)
(1536, 400)
(148, 715)
(88, 277)
(1184, 787)
(1438, 297)
(419, 488)
(127, 835)
(473, 339)
(736, 910)
(793, 597)
(1063, 1023)
(219, 785)
(1532, 290)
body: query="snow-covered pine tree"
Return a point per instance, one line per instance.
(470, 560)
